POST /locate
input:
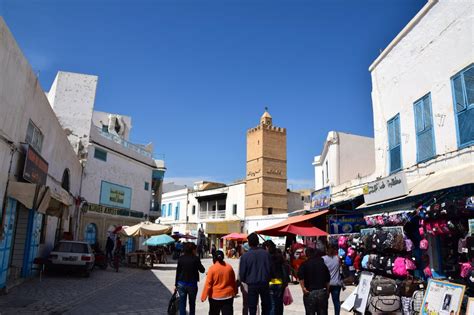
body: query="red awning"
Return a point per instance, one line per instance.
(297, 225)
(301, 229)
(235, 237)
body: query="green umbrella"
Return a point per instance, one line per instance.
(159, 240)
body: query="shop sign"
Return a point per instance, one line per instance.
(321, 198)
(36, 168)
(346, 224)
(112, 211)
(225, 227)
(442, 297)
(386, 188)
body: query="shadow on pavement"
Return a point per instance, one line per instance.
(126, 292)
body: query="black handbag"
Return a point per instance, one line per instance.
(173, 305)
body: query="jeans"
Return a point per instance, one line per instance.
(316, 302)
(335, 295)
(186, 292)
(276, 299)
(254, 291)
(224, 306)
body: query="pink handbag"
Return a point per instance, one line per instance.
(466, 269)
(287, 298)
(424, 244)
(399, 267)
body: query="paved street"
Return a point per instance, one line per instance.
(131, 291)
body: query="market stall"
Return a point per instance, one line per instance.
(413, 259)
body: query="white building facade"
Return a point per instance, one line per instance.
(218, 209)
(423, 93)
(40, 173)
(121, 180)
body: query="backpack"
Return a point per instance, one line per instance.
(402, 265)
(417, 301)
(409, 286)
(408, 245)
(384, 304)
(466, 269)
(399, 242)
(383, 286)
(365, 262)
(342, 242)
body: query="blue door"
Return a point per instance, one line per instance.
(32, 242)
(7, 241)
(90, 235)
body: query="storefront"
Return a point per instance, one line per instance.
(418, 234)
(216, 230)
(35, 217)
(98, 222)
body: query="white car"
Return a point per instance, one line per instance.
(72, 255)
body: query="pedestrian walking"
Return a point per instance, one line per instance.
(279, 278)
(187, 277)
(109, 247)
(254, 270)
(333, 263)
(314, 281)
(220, 286)
(213, 250)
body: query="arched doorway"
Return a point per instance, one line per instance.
(90, 234)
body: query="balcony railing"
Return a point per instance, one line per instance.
(126, 144)
(219, 214)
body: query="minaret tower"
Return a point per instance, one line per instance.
(265, 191)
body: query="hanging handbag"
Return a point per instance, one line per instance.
(173, 305)
(287, 297)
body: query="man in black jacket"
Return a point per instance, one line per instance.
(255, 271)
(187, 277)
(314, 280)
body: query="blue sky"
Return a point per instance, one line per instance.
(195, 75)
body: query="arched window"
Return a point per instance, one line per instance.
(65, 180)
(90, 234)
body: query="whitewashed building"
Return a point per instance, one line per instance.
(121, 181)
(423, 98)
(40, 173)
(218, 209)
(344, 157)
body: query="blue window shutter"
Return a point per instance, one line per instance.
(463, 95)
(176, 216)
(169, 209)
(424, 129)
(163, 210)
(418, 116)
(394, 144)
(458, 94)
(469, 85)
